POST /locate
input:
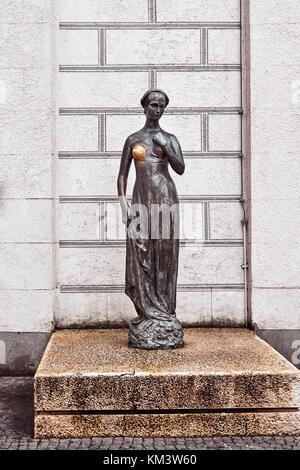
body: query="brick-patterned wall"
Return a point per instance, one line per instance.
(110, 52)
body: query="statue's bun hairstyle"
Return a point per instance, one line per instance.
(145, 96)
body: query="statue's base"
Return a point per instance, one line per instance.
(156, 334)
(224, 382)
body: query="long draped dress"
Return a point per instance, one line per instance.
(151, 256)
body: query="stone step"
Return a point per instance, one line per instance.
(90, 382)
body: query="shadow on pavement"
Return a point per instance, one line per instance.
(16, 407)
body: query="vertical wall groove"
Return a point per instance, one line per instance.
(152, 11)
(204, 48)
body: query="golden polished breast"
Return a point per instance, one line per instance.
(139, 152)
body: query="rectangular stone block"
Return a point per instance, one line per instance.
(209, 177)
(77, 133)
(201, 177)
(198, 10)
(90, 177)
(228, 308)
(169, 46)
(276, 308)
(224, 133)
(26, 266)
(26, 221)
(205, 89)
(224, 46)
(186, 128)
(102, 265)
(101, 90)
(229, 368)
(90, 266)
(94, 310)
(79, 221)
(25, 176)
(225, 221)
(168, 425)
(210, 265)
(77, 309)
(78, 47)
(26, 310)
(193, 308)
(118, 11)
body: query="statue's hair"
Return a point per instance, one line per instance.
(144, 99)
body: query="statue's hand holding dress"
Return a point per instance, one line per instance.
(152, 229)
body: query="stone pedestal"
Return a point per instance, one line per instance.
(223, 382)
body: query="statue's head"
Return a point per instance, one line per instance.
(154, 102)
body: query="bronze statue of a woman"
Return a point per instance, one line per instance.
(152, 228)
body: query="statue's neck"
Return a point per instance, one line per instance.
(152, 125)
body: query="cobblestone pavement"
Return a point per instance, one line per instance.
(16, 430)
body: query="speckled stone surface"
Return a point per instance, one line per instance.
(217, 369)
(169, 425)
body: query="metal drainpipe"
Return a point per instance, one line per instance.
(244, 266)
(245, 11)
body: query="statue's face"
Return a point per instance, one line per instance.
(155, 106)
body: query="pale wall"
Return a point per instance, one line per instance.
(275, 118)
(27, 272)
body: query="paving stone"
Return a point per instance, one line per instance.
(63, 444)
(43, 444)
(97, 440)
(74, 444)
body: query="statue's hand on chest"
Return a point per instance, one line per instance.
(160, 140)
(151, 145)
(159, 143)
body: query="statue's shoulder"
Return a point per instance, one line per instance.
(170, 137)
(134, 138)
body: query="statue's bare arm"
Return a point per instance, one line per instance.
(122, 179)
(173, 152)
